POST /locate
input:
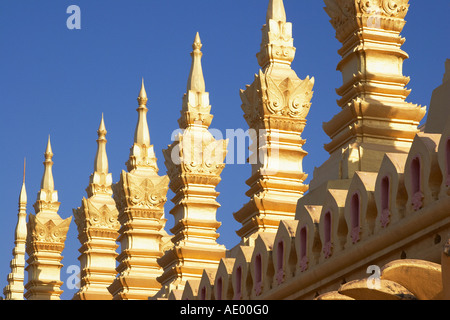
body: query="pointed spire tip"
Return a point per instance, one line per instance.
(196, 82)
(102, 128)
(276, 11)
(48, 150)
(197, 45)
(142, 99)
(23, 192)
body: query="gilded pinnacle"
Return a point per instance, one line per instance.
(101, 159)
(276, 11)
(197, 45)
(47, 182)
(142, 99)
(142, 134)
(23, 192)
(48, 150)
(102, 129)
(276, 38)
(196, 81)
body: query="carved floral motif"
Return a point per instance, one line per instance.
(355, 234)
(89, 215)
(289, 98)
(280, 276)
(417, 200)
(147, 194)
(303, 263)
(384, 219)
(327, 249)
(340, 11)
(53, 231)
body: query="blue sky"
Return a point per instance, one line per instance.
(58, 81)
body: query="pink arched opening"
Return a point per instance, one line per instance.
(355, 217)
(303, 248)
(280, 262)
(327, 234)
(417, 195)
(258, 274)
(385, 190)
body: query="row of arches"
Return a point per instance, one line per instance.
(408, 192)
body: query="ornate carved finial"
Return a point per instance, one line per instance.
(142, 154)
(196, 108)
(277, 45)
(196, 81)
(142, 99)
(197, 45)
(101, 159)
(47, 182)
(142, 135)
(47, 199)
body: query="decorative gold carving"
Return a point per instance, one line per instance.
(194, 162)
(140, 196)
(46, 235)
(345, 14)
(288, 98)
(51, 231)
(275, 107)
(144, 193)
(90, 215)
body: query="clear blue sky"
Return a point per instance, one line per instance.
(58, 81)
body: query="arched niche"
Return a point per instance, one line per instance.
(241, 276)
(261, 267)
(284, 255)
(423, 176)
(307, 239)
(332, 225)
(206, 286)
(360, 209)
(223, 288)
(390, 191)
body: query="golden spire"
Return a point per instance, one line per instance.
(196, 108)
(142, 135)
(23, 192)
(141, 153)
(196, 81)
(15, 288)
(142, 99)
(21, 229)
(47, 182)
(101, 159)
(276, 11)
(277, 45)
